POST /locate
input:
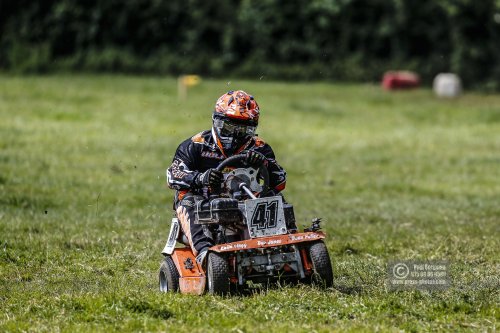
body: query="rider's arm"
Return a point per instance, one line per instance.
(277, 175)
(182, 173)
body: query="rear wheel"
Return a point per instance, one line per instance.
(217, 274)
(322, 267)
(168, 276)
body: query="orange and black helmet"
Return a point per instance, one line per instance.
(235, 120)
(238, 106)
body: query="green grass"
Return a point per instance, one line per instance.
(84, 209)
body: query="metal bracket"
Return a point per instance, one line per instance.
(188, 263)
(315, 225)
(300, 264)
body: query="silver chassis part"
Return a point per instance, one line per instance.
(175, 228)
(268, 264)
(251, 175)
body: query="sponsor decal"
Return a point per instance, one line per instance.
(212, 154)
(269, 242)
(233, 246)
(303, 237)
(177, 169)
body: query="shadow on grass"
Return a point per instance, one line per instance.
(264, 288)
(348, 290)
(89, 307)
(150, 309)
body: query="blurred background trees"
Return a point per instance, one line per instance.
(348, 40)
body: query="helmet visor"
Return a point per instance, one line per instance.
(226, 128)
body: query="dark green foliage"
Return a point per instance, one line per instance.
(321, 39)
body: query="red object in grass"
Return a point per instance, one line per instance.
(400, 80)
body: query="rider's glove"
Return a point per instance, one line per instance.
(254, 158)
(211, 177)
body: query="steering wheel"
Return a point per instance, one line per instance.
(245, 174)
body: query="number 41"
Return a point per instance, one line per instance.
(265, 215)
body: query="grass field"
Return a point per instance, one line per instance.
(84, 209)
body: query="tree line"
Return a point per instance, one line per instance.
(344, 40)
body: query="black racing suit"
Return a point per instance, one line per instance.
(195, 156)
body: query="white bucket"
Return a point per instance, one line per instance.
(447, 85)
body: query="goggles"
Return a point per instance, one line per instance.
(229, 128)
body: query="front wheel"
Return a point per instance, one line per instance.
(217, 274)
(322, 267)
(168, 276)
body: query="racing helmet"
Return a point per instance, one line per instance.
(234, 120)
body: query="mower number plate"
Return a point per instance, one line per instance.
(265, 217)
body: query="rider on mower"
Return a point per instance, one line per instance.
(193, 171)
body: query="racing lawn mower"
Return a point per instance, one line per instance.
(256, 240)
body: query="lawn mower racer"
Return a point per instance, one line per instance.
(230, 214)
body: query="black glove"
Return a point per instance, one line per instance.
(211, 177)
(254, 158)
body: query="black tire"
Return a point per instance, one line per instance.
(168, 277)
(217, 274)
(322, 266)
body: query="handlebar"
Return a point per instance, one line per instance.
(239, 159)
(230, 161)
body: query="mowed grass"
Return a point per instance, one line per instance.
(84, 209)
